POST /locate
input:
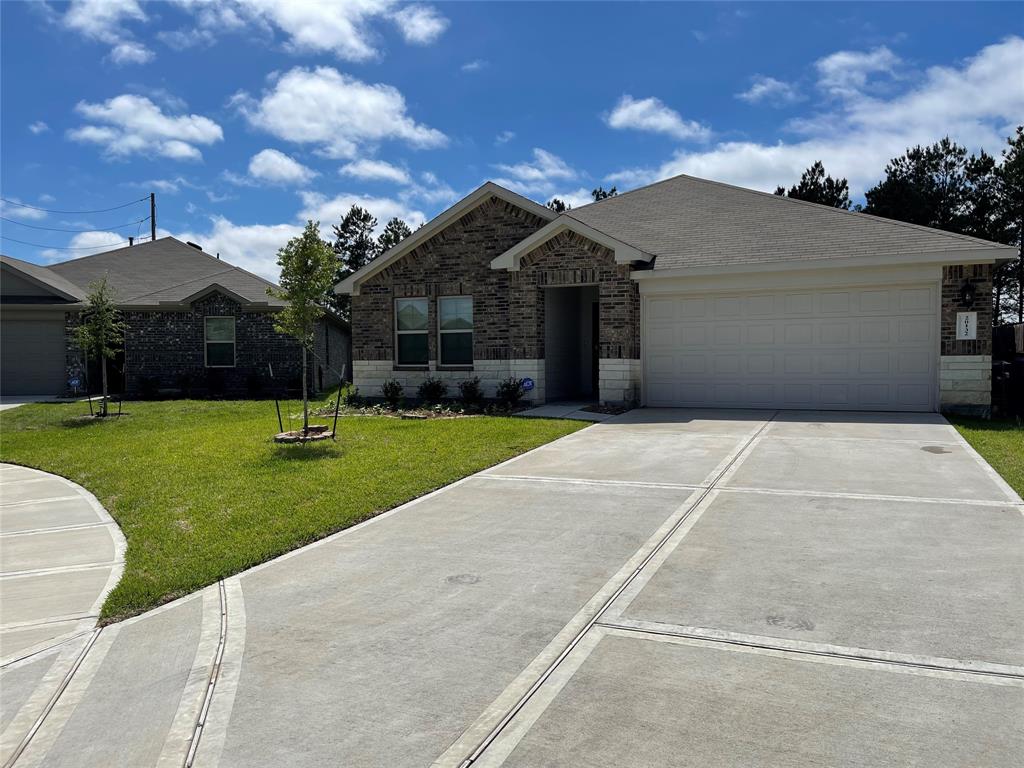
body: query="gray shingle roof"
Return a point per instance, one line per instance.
(165, 271)
(689, 222)
(45, 276)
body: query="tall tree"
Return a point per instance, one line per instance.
(926, 185)
(308, 268)
(395, 231)
(1011, 217)
(354, 246)
(100, 330)
(557, 205)
(815, 186)
(601, 193)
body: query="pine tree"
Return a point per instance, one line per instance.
(354, 247)
(815, 186)
(395, 231)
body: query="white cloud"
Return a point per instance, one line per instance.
(504, 138)
(432, 190)
(131, 52)
(249, 246)
(128, 124)
(847, 72)
(84, 244)
(768, 89)
(375, 170)
(278, 168)
(420, 24)
(473, 66)
(328, 211)
(574, 198)
(334, 111)
(538, 176)
(45, 198)
(167, 186)
(104, 21)
(38, 127)
(652, 115)
(12, 209)
(976, 103)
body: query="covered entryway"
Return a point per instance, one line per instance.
(571, 353)
(32, 352)
(842, 348)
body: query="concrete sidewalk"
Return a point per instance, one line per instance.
(668, 587)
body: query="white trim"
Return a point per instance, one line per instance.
(207, 342)
(425, 332)
(938, 258)
(624, 253)
(472, 329)
(350, 284)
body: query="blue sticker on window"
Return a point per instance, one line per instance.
(527, 385)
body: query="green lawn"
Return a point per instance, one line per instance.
(201, 492)
(1001, 442)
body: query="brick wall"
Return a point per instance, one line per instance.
(456, 261)
(965, 367)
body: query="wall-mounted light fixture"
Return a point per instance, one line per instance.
(967, 294)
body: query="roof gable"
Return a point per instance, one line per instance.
(436, 225)
(46, 280)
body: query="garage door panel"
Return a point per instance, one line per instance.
(855, 349)
(31, 355)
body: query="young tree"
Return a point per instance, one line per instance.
(395, 231)
(601, 193)
(557, 205)
(815, 186)
(354, 246)
(100, 331)
(307, 276)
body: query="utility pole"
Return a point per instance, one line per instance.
(152, 217)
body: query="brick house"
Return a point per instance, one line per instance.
(686, 292)
(194, 324)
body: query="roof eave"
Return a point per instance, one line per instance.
(961, 256)
(350, 285)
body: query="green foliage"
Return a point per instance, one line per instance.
(395, 231)
(559, 206)
(100, 332)
(393, 393)
(307, 277)
(601, 193)
(815, 186)
(201, 493)
(471, 391)
(510, 391)
(432, 390)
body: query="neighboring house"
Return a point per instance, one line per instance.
(683, 293)
(195, 324)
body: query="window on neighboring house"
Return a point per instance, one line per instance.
(220, 342)
(411, 331)
(455, 329)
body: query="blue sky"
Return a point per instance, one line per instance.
(246, 118)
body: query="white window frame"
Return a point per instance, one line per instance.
(440, 361)
(207, 342)
(425, 332)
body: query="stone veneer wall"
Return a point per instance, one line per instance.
(965, 367)
(166, 346)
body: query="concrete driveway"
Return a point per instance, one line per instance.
(666, 588)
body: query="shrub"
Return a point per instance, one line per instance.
(432, 390)
(392, 390)
(351, 397)
(471, 391)
(510, 391)
(149, 387)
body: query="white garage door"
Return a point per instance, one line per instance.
(830, 348)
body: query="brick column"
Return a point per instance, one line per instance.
(965, 366)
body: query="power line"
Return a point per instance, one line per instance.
(68, 248)
(50, 210)
(93, 229)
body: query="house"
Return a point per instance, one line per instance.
(686, 292)
(194, 324)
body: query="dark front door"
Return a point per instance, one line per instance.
(595, 348)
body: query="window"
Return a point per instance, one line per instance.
(455, 329)
(411, 331)
(220, 342)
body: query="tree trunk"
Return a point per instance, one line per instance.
(305, 395)
(103, 403)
